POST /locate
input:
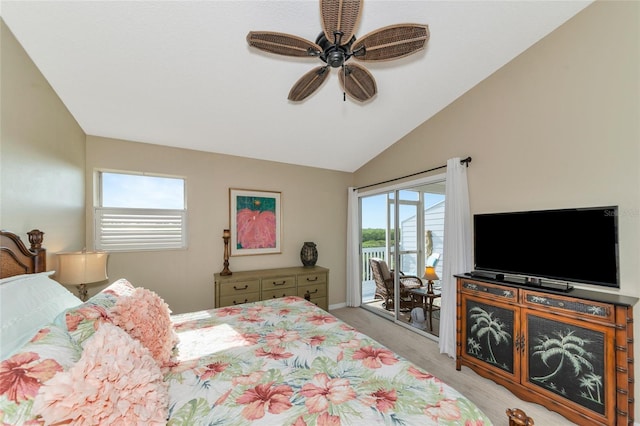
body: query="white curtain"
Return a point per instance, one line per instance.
(354, 285)
(457, 249)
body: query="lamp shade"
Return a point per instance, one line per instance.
(430, 273)
(82, 267)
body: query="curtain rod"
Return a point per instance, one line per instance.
(464, 161)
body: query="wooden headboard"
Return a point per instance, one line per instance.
(16, 258)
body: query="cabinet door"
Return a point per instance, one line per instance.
(571, 359)
(489, 335)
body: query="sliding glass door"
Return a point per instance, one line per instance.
(403, 229)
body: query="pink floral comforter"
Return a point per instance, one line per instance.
(287, 362)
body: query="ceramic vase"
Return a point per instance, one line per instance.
(309, 254)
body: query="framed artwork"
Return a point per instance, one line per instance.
(255, 222)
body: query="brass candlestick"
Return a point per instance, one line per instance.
(225, 236)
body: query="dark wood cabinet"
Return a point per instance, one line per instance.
(571, 352)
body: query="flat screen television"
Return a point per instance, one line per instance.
(569, 245)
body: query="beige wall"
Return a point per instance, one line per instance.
(41, 155)
(48, 162)
(557, 127)
(43, 183)
(313, 209)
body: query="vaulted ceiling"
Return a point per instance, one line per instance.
(180, 73)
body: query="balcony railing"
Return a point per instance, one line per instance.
(368, 284)
(368, 253)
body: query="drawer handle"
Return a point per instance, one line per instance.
(279, 283)
(275, 297)
(236, 303)
(312, 280)
(246, 286)
(312, 292)
(561, 304)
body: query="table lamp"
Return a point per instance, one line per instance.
(81, 268)
(430, 275)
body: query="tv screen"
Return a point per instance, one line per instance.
(575, 245)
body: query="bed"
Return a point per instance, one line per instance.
(122, 358)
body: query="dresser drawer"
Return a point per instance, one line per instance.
(279, 292)
(569, 305)
(507, 294)
(320, 302)
(278, 283)
(239, 287)
(317, 278)
(239, 299)
(312, 291)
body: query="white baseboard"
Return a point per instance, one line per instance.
(343, 305)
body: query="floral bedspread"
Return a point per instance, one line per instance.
(288, 362)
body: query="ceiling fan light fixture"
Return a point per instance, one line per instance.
(335, 58)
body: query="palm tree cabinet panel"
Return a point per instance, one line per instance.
(487, 331)
(571, 352)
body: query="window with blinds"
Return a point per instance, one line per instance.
(140, 212)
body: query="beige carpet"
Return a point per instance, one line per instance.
(490, 397)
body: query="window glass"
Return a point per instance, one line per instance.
(143, 192)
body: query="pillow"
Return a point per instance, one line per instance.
(116, 381)
(83, 320)
(146, 317)
(50, 351)
(27, 303)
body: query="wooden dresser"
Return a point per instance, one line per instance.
(250, 286)
(570, 352)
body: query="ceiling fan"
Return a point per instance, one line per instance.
(336, 44)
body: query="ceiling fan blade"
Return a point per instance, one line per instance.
(392, 42)
(308, 83)
(283, 44)
(340, 16)
(357, 82)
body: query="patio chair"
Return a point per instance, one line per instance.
(383, 278)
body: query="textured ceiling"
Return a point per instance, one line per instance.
(181, 73)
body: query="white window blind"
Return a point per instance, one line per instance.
(128, 229)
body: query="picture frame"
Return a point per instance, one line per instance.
(255, 221)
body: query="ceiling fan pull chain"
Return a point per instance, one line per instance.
(344, 93)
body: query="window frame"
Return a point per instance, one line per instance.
(170, 223)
